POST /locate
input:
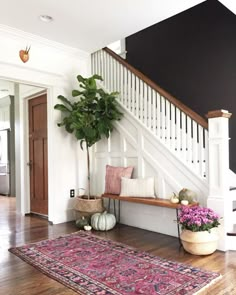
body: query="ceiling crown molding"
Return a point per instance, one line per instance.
(31, 38)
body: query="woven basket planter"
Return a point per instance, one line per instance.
(200, 243)
(85, 207)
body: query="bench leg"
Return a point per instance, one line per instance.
(118, 211)
(109, 204)
(114, 207)
(180, 243)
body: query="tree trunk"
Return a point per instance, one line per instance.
(88, 170)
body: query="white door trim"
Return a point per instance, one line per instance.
(52, 82)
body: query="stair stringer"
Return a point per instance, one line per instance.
(231, 241)
(130, 144)
(232, 177)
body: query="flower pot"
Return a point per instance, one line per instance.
(200, 243)
(87, 207)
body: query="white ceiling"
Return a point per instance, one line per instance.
(88, 24)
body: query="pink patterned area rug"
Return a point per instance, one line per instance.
(92, 265)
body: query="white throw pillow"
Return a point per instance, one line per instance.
(140, 187)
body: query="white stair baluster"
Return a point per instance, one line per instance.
(158, 115)
(125, 86)
(178, 138)
(154, 112)
(118, 76)
(106, 71)
(163, 119)
(145, 94)
(133, 94)
(195, 149)
(113, 70)
(98, 64)
(167, 123)
(129, 91)
(137, 98)
(172, 128)
(114, 78)
(206, 138)
(150, 103)
(189, 141)
(122, 83)
(95, 62)
(183, 135)
(201, 150)
(92, 63)
(141, 100)
(112, 73)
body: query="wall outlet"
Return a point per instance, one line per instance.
(72, 193)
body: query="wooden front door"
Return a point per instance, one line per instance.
(38, 155)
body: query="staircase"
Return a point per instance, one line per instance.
(166, 138)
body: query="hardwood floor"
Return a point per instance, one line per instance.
(19, 278)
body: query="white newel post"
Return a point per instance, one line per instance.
(218, 200)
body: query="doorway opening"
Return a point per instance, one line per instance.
(15, 116)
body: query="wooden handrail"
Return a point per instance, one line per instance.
(218, 114)
(189, 112)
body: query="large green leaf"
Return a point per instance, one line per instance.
(92, 83)
(76, 93)
(62, 108)
(79, 134)
(64, 99)
(80, 78)
(97, 77)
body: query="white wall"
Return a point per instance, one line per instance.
(52, 66)
(5, 103)
(131, 144)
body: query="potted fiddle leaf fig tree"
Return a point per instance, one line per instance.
(89, 118)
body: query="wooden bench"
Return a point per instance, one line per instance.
(147, 201)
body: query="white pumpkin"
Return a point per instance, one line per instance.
(174, 199)
(103, 221)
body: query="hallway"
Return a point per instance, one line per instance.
(19, 278)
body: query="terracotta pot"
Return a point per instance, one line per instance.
(200, 243)
(87, 207)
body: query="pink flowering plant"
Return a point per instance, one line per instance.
(197, 218)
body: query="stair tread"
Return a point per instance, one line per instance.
(233, 232)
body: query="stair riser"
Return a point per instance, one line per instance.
(232, 243)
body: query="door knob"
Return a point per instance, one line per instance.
(30, 163)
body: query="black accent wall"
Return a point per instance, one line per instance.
(193, 56)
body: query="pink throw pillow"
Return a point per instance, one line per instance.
(113, 178)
